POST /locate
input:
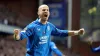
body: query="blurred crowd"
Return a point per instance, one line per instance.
(10, 17)
(10, 47)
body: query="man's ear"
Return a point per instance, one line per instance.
(38, 13)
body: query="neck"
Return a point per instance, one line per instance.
(43, 21)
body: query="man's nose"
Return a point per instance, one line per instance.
(45, 11)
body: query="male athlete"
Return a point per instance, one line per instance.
(38, 33)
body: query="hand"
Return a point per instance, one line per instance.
(16, 34)
(81, 31)
(16, 31)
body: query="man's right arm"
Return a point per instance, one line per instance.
(25, 33)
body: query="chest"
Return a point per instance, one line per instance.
(42, 34)
(42, 30)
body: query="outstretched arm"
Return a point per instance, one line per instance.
(64, 33)
(77, 32)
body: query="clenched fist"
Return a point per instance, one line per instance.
(81, 31)
(16, 34)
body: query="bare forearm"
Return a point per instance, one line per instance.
(77, 32)
(72, 33)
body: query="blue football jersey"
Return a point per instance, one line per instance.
(38, 37)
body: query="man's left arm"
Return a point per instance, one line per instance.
(76, 32)
(64, 33)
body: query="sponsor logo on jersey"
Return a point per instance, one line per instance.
(43, 40)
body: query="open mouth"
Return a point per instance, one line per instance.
(45, 15)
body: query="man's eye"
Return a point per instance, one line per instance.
(43, 10)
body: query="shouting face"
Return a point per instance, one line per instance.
(43, 12)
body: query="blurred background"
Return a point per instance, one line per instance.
(65, 14)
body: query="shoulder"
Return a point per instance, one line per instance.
(31, 25)
(52, 25)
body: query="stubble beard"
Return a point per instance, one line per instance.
(45, 19)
